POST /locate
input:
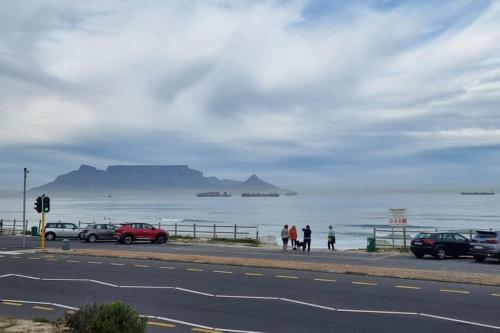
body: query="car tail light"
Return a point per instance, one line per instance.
(428, 242)
(492, 241)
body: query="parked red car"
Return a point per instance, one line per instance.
(130, 232)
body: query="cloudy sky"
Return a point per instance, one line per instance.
(333, 94)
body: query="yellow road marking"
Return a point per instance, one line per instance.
(50, 259)
(325, 280)
(33, 258)
(194, 269)
(365, 283)
(94, 262)
(286, 277)
(202, 330)
(72, 261)
(496, 295)
(166, 267)
(43, 308)
(223, 272)
(408, 287)
(116, 264)
(155, 323)
(254, 274)
(144, 266)
(12, 303)
(454, 291)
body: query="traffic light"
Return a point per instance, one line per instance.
(38, 204)
(46, 204)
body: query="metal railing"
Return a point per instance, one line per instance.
(400, 237)
(195, 230)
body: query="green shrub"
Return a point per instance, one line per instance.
(105, 318)
(41, 320)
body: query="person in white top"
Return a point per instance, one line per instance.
(284, 236)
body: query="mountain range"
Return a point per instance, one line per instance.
(149, 178)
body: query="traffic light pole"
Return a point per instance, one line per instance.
(24, 209)
(43, 231)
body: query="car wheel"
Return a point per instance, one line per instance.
(419, 255)
(441, 253)
(479, 258)
(50, 236)
(128, 239)
(91, 238)
(161, 239)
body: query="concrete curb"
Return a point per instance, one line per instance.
(401, 273)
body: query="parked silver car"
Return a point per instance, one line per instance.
(96, 232)
(61, 230)
(486, 244)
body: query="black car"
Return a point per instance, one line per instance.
(440, 244)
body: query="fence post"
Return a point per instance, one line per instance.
(175, 229)
(257, 233)
(39, 224)
(215, 231)
(194, 230)
(78, 224)
(404, 238)
(375, 235)
(14, 227)
(1, 225)
(392, 236)
(235, 230)
(470, 234)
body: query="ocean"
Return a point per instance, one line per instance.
(353, 215)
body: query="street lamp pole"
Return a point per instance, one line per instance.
(24, 208)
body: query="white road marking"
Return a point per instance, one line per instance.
(247, 297)
(379, 312)
(308, 304)
(146, 287)
(460, 321)
(194, 292)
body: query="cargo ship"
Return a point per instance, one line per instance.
(213, 194)
(291, 193)
(490, 192)
(248, 195)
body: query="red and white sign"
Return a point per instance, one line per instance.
(397, 216)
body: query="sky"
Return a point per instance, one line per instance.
(332, 95)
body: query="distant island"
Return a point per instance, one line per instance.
(150, 178)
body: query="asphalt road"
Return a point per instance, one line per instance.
(464, 264)
(189, 297)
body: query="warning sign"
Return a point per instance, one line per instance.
(397, 216)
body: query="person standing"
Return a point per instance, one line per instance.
(284, 237)
(331, 237)
(307, 238)
(293, 237)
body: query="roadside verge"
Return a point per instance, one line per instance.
(402, 273)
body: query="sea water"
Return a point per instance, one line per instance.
(353, 215)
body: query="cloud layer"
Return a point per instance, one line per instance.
(337, 94)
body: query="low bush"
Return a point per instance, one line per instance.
(105, 318)
(41, 320)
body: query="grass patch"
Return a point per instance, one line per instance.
(41, 320)
(245, 241)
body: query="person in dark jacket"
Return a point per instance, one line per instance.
(307, 238)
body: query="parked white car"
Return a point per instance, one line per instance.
(61, 230)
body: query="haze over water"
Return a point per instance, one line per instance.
(354, 215)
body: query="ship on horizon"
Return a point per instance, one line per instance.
(258, 195)
(490, 192)
(213, 194)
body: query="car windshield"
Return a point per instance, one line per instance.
(485, 234)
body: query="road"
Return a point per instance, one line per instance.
(194, 297)
(318, 256)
